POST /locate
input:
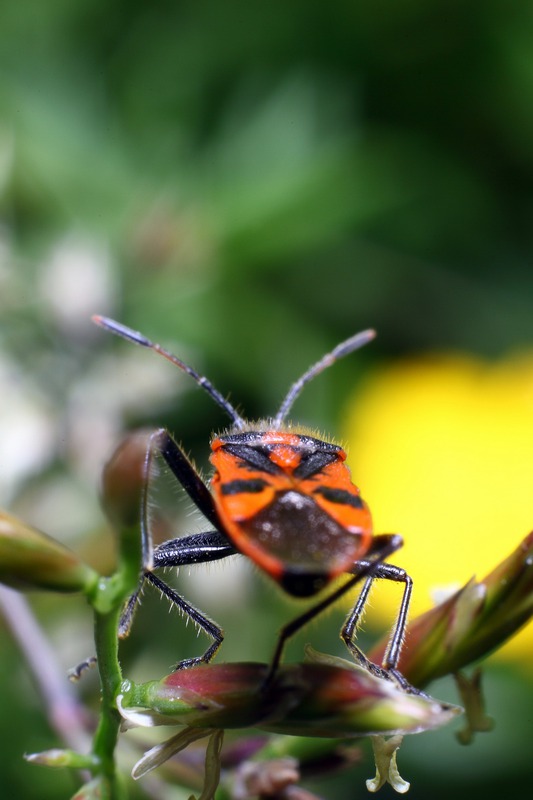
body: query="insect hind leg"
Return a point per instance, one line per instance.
(389, 666)
(392, 655)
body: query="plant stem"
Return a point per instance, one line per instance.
(106, 735)
(108, 600)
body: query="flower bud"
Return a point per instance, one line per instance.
(29, 559)
(124, 479)
(319, 699)
(62, 758)
(471, 623)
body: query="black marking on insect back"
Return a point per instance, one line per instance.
(254, 457)
(340, 496)
(252, 486)
(313, 463)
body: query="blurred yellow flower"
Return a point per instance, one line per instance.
(442, 450)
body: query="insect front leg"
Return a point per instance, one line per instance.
(196, 549)
(160, 442)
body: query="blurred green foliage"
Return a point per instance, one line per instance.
(248, 183)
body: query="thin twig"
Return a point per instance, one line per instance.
(65, 713)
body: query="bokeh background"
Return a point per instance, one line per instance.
(250, 183)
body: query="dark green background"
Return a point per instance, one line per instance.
(266, 179)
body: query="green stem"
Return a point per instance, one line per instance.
(106, 735)
(108, 599)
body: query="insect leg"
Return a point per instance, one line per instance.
(389, 665)
(382, 547)
(196, 549)
(207, 625)
(161, 442)
(392, 655)
(186, 474)
(200, 548)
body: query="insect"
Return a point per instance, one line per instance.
(284, 499)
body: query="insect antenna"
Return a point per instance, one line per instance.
(137, 338)
(342, 349)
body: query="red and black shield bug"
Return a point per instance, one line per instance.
(283, 498)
